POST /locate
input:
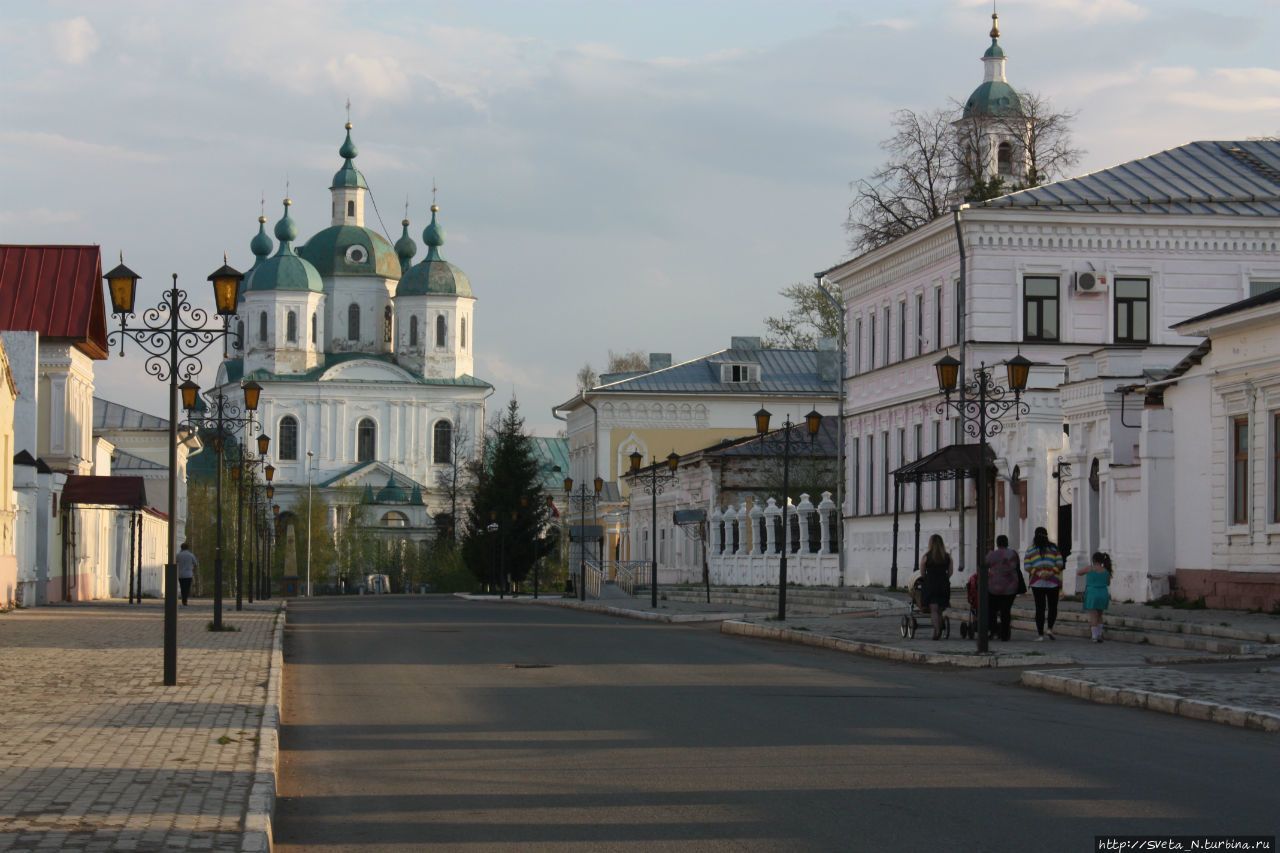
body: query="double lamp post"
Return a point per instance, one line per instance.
(981, 405)
(653, 484)
(173, 335)
(582, 498)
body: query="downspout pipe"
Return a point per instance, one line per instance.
(840, 543)
(962, 330)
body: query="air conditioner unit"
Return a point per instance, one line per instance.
(1090, 282)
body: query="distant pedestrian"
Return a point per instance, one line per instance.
(1044, 563)
(935, 582)
(1097, 592)
(1002, 586)
(187, 564)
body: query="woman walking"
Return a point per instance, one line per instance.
(935, 582)
(1097, 593)
(1002, 585)
(1043, 562)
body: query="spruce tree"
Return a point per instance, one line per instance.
(508, 492)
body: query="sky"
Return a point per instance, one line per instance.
(611, 175)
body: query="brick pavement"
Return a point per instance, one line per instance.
(99, 755)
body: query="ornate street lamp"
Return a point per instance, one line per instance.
(173, 335)
(222, 415)
(656, 482)
(981, 405)
(813, 423)
(582, 498)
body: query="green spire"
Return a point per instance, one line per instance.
(261, 244)
(286, 231)
(405, 247)
(433, 236)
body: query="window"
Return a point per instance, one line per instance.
(1240, 470)
(739, 373)
(871, 350)
(287, 438)
(871, 475)
(239, 334)
(1257, 288)
(1275, 468)
(1004, 160)
(887, 327)
(442, 330)
(291, 327)
(855, 490)
(262, 326)
(313, 327)
(857, 347)
(442, 443)
(884, 471)
(395, 518)
(937, 318)
(413, 331)
(1040, 308)
(366, 436)
(386, 325)
(462, 335)
(937, 445)
(919, 347)
(1132, 310)
(902, 331)
(353, 322)
(351, 208)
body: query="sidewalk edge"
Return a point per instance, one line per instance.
(262, 791)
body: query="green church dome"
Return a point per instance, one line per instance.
(348, 175)
(261, 244)
(285, 270)
(405, 248)
(392, 493)
(994, 98)
(434, 275)
(351, 250)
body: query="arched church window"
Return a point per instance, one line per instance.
(441, 330)
(413, 331)
(353, 322)
(239, 334)
(442, 442)
(287, 440)
(351, 208)
(291, 327)
(313, 327)
(1004, 159)
(395, 518)
(262, 326)
(462, 337)
(386, 324)
(366, 435)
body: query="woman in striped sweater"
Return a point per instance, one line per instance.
(1043, 562)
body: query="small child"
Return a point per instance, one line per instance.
(1097, 596)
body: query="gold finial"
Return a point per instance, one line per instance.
(995, 25)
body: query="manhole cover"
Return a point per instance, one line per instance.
(530, 665)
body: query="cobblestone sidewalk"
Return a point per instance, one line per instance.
(100, 756)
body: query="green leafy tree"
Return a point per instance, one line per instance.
(507, 493)
(809, 317)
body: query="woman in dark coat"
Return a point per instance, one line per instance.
(935, 582)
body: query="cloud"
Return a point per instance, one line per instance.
(47, 143)
(895, 24)
(74, 40)
(37, 216)
(374, 78)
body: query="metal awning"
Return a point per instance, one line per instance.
(953, 462)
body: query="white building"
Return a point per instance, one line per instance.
(365, 361)
(1084, 277)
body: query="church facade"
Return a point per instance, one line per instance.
(366, 362)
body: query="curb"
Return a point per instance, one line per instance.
(262, 791)
(875, 650)
(643, 615)
(1163, 702)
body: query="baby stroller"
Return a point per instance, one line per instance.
(969, 628)
(916, 612)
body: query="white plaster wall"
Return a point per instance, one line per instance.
(23, 349)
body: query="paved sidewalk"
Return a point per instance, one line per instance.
(100, 756)
(1153, 673)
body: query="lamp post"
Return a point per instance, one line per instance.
(657, 481)
(582, 498)
(264, 570)
(173, 335)
(310, 457)
(224, 414)
(981, 405)
(493, 529)
(813, 422)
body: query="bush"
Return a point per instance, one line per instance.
(446, 571)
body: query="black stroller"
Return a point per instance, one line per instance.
(916, 611)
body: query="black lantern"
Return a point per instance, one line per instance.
(252, 390)
(189, 391)
(226, 288)
(122, 283)
(813, 422)
(948, 369)
(762, 420)
(1019, 368)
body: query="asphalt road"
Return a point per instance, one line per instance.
(432, 723)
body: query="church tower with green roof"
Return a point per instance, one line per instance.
(993, 123)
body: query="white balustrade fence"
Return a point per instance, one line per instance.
(747, 544)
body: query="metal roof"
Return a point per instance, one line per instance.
(825, 443)
(1221, 178)
(782, 371)
(109, 415)
(953, 462)
(551, 453)
(124, 461)
(56, 291)
(1254, 301)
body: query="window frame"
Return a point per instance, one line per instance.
(855, 492)
(1238, 510)
(353, 321)
(366, 427)
(1038, 301)
(291, 327)
(287, 439)
(1128, 303)
(442, 442)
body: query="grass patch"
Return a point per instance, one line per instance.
(225, 627)
(225, 739)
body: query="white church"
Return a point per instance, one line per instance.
(366, 363)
